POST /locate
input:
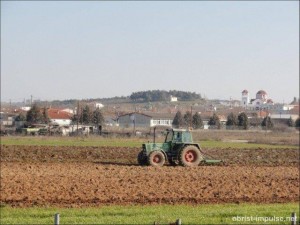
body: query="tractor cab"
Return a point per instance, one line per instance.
(178, 136)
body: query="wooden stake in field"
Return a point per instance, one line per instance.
(293, 218)
(56, 219)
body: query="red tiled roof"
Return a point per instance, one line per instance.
(295, 110)
(58, 114)
(295, 102)
(262, 113)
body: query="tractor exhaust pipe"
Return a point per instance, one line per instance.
(154, 135)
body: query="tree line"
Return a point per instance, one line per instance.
(142, 96)
(233, 121)
(187, 120)
(84, 116)
(159, 95)
(34, 115)
(87, 116)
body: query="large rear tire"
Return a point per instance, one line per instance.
(190, 156)
(156, 158)
(142, 159)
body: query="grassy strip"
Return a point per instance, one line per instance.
(164, 214)
(72, 141)
(121, 142)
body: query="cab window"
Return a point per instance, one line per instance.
(169, 136)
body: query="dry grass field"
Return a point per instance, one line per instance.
(290, 137)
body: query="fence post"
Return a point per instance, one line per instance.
(56, 219)
(294, 218)
(178, 222)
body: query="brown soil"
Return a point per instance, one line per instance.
(127, 156)
(74, 177)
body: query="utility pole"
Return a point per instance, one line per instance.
(134, 126)
(31, 100)
(77, 116)
(132, 117)
(191, 122)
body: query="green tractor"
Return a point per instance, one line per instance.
(178, 149)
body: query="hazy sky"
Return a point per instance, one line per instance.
(77, 49)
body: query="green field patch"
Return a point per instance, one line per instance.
(72, 141)
(162, 214)
(123, 142)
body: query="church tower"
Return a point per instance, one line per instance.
(245, 98)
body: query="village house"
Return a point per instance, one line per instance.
(59, 117)
(68, 110)
(96, 105)
(137, 119)
(173, 98)
(25, 108)
(292, 113)
(6, 119)
(205, 116)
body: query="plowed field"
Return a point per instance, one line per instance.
(87, 176)
(127, 156)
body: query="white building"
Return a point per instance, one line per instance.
(173, 98)
(160, 122)
(25, 108)
(71, 111)
(284, 115)
(98, 105)
(261, 102)
(5, 119)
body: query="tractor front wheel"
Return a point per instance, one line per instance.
(156, 158)
(190, 156)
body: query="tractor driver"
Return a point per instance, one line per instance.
(177, 137)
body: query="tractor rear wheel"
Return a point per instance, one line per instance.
(142, 159)
(190, 156)
(156, 158)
